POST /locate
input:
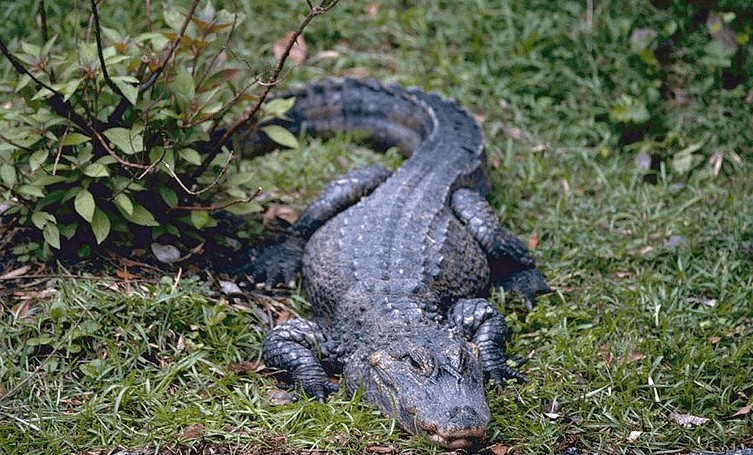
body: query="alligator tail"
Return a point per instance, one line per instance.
(386, 116)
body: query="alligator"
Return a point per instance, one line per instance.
(396, 264)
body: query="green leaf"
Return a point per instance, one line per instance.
(191, 156)
(51, 235)
(100, 225)
(129, 141)
(168, 195)
(75, 139)
(183, 85)
(68, 230)
(125, 84)
(40, 219)
(84, 204)
(94, 368)
(8, 175)
(69, 88)
(173, 18)
(200, 218)
(281, 136)
(37, 159)
(140, 216)
(96, 170)
(31, 190)
(630, 111)
(124, 203)
(279, 106)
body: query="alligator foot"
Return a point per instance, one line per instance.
(483, 325)
(278, 262)
(292, 348)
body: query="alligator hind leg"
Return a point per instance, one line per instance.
(294, 348)
(484, 326)
(511, 265)
(279, 261)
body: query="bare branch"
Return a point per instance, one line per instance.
(100, 53)
(322, 7)
(42, 18)
(215, 207)
(149, 16)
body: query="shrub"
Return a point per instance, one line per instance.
(121, 141)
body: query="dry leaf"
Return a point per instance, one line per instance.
(298, 52)
(715, 340)
(282, 212)
(533, 240)
(167, 254)
(193, 431)
(633, 436)
(279, 397)
(381, 450)
(21, 309)
(181, 344)
(745, 410)
(372, 9)
(687, 420)
(230, 288)
(125, 274)
(499, 449)
(245, 367)
(21, 271)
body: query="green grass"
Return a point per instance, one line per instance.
(636, 256)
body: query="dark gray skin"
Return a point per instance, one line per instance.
(393, 264)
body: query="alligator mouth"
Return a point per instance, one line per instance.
(458, 439)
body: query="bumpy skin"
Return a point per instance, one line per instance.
(393, 264)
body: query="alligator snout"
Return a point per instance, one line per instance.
(463, 428)
(463, 415)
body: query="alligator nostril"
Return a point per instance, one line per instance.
(462, 414)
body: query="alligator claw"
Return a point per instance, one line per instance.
(503, 373)
(320, 390)
(278, 263)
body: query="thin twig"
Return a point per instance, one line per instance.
(208, 187)
(250, 113)
(112, 153)
(215, 207)
(20, 199)
(590, 13)
(18, 146)
(100, 52)
(170, 50)
(69, 277)
(149, 16)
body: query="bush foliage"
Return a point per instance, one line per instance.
(119, 139)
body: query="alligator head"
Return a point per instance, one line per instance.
(431, 383)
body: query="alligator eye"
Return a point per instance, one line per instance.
(421, 361)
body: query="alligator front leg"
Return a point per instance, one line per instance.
(485, 327)
(295, 348)
(279, 261)
(511, 265)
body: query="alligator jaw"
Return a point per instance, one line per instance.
(459, 439)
